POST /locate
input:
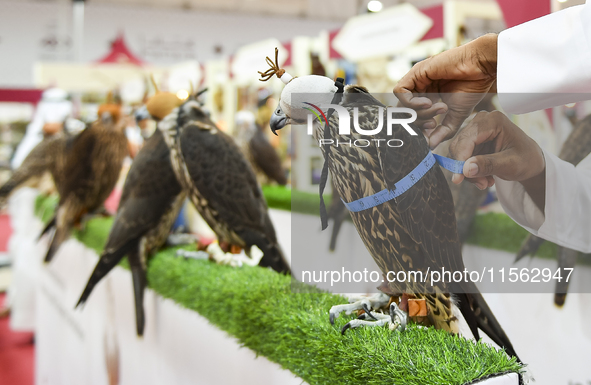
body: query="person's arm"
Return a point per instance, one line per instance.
(566, 219)
(460, 77)
(538, 64)
(545, 62)
(544, 194)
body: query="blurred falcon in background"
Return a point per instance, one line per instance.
(415, 232)
(576, 147)
(150, 202)
(48, 156)
(91, 170)
(258, 150)
(220, 183)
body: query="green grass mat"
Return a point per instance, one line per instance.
(257, 307)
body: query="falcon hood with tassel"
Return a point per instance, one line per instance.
(414, 232)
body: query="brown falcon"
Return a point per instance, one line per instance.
(576, 147)
(466, 196)
(47, 156)
(467, 199)
(90, 173)
(258, 150)
(220, 183)
(150, 202)
(415, 232)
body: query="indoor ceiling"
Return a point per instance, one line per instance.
(313, 9)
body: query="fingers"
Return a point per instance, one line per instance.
(481, 129)
(482, 166)
(430, 112)
(410, 100)
(480, 182)
(440, 134)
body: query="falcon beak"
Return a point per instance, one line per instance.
(278, 120)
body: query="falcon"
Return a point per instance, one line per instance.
(414, 232)
(91, 170)
(258, 150)
(48, 156)
(576, 147)
(220, 183)
(150, 202)
(467, 199)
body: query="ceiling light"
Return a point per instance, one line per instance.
(374, 6)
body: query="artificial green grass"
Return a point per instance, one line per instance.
(258, 307)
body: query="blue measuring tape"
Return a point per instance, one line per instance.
(404, 184)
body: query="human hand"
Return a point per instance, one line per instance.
(491, 144)
(460, 77)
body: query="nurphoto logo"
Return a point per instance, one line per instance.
(345, 124)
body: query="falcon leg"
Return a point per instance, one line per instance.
(382, 319)
(376, 301)
(396, 319)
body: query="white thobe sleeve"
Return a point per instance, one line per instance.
(567, 217)
(541, 64)
(545, 62)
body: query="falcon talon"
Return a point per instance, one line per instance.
(368, 312)
(398, 317)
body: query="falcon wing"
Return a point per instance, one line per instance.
(149, 191)
(223, 177)
(426, 210)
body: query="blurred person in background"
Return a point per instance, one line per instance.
(48, 119)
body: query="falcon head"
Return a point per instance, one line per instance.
(318, 90)
(191, 110)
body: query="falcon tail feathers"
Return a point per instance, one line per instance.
(106, 263)
(273, 257)
(266, 241)
(138, 273)
(47, 227)
(529, 247)
(567, 258)
(478, 308)
(59, 236)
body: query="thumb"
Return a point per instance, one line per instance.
(487, 165)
